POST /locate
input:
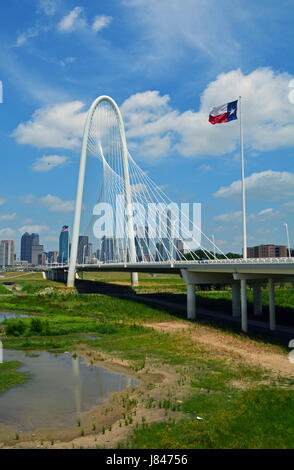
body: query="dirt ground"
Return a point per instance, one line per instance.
(249, 350)
(155, 382)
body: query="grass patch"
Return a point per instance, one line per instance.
(237, 410)
(9, 377)
(3, 289)
(260, 418)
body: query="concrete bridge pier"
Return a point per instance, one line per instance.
(244, 319)
(272, 310)
(189, 279)
(134, 279)
(257, 299)
(191, 302)
(236, 299)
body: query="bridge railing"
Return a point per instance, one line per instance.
(173, 263)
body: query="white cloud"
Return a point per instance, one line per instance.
(169, 30)
(236, 217)
(76, 20)
(48, 7)
(100, 22)
(267, 114)
(33, 228)
(266, 214)
(7, 232)
(155, 129)
(48, 162)
(229, 217)
(55, 204)
(2, 201)
(67, 61)
(59, 125)
(28, 199)
(269, 185)
(26, 35)
(73, 21)
(7, 216)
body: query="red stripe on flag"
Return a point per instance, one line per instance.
(218, 119)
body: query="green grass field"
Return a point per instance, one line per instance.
(241, 405)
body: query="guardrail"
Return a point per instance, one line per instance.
(173, 263)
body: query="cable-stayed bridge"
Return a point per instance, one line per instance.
(133, 226)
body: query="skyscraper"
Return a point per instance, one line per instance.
(107, 249)
(37, 249)
(26, 248)
(30, 248)
(82, 249)
(7, 248)
(142, 244)
(63, 245)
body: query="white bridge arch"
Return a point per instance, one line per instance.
(81, 180)
(104, 119)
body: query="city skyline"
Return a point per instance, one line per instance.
(51, 72)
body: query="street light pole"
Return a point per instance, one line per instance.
(288, 240)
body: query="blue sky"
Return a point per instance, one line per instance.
(166, 63)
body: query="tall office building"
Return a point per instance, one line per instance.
(167, 241)
(63, 245)
(142, 244)
(37, 249)
(7, 248)
(179, 249)
(160, 252)
(35, 239)
(30, 248)
(26, 248)
(107, 249)
(82, 249)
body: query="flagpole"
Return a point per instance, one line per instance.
(243, 185)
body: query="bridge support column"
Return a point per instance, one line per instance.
(134, 279)
(244, 320)
(191, 302)
(257, 300)
(272, 310)
(236, 299)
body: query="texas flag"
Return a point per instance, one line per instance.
(224, 113)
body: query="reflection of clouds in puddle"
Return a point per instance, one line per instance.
(59, 390)
(77, 386)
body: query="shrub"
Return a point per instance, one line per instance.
(36, 325)
(15, 327)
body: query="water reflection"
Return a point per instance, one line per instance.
(60, 388)
(8, 315)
